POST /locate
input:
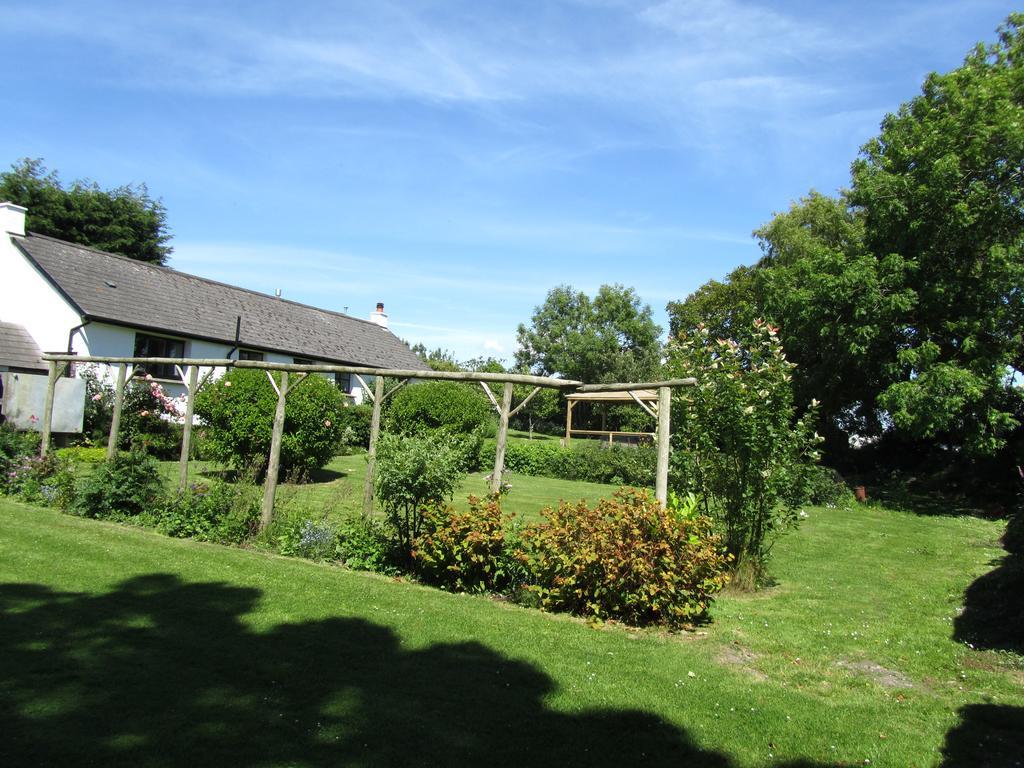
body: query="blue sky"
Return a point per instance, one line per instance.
(456, 160)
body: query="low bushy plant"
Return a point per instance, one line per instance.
(413, 474)
(238, 410)
(125, 487)
(628, 559)
(40, 480)
(305, 537)
(825, 487)
(226, 513)
(365, 545)
(465, 551)
(15, 446)
(354, 421)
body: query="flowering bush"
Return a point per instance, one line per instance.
(239, 413)
(737, 440)
(303, 537)
(627, 558)
(15, 446)
(150, 418)
(41, 480)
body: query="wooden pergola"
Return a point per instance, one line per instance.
(188, 371)
(645, 398)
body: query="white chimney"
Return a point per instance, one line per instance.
(12, 219)
(378, 316)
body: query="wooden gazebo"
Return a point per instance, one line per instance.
(645, 398)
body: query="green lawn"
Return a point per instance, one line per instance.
(122, 647)
(337, 489)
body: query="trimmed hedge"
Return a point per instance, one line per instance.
(614, 465)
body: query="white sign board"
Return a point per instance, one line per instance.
(25, 400)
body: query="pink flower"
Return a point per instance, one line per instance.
(144, 413)
(227, 383)
(97, 397)
(327, 422)
(33, 418)
(149, 377)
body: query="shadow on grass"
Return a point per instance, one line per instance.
(897, 495)
(162, 672)
(989, 736)
(314, 477)
(325, 476)
(993, 615)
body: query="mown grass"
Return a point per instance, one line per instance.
(337, 489)
(121, 647)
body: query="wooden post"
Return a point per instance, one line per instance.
(115, 420)
(568, 421)
(186, 428)
(274, 465)
(371, 456)
(51, 390)
(499, 451)
(664, 434)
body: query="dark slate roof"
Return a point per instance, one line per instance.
(114, 289)
(18, 349)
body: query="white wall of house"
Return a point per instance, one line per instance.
(105, 340)
(28, 299)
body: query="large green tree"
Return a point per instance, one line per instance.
(124, 220)
(901, 299)
(611, 337)
(942, 190)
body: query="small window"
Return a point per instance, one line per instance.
(159, 346)
(302, 361)
(344, 382)
(250, 354)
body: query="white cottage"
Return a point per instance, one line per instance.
(75, 299)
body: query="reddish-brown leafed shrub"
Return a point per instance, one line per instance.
(466, 551)
(627, 559)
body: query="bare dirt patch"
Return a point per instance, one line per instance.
(735, 655)
(887, 678)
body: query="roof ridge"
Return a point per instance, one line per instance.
(209, 280)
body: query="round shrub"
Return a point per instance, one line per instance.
(428, 406)
(238, 410)
(627, 559)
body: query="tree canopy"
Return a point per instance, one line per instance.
(124, 220)
(902, 298)
(611, 337)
